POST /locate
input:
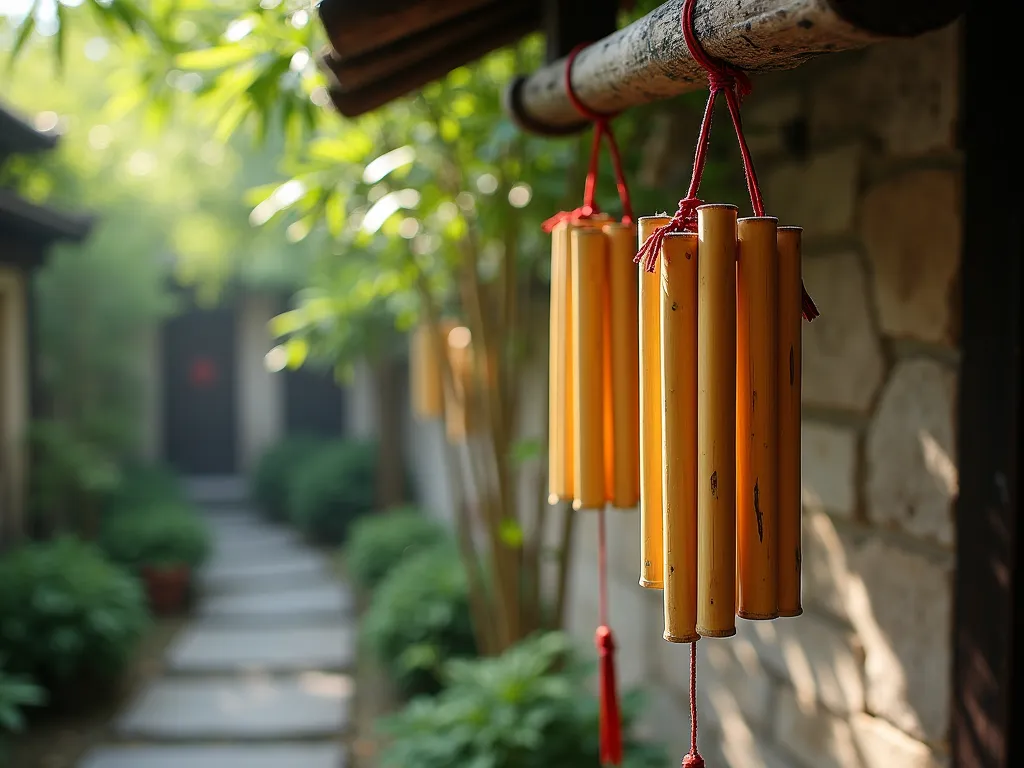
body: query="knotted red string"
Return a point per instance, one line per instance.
(611, 720)
(602, 130)
(735, 85)
(693, 758)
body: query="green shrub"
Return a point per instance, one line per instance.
(335, 486)
(419, 618)
(67, 614)
(17, 692)
(380, 542)
(143, 485)
(527, 708)
(271, 479)
(164, 534)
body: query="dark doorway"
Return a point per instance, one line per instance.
(314, 403)
(199, 396)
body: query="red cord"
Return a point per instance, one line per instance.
(734, 83)
(602, 130)
(693, 758)
(611, 719)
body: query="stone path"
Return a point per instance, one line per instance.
(257, 679)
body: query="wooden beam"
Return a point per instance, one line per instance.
(988, 666)
(648, 60)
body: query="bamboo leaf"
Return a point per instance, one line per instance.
(25, 30)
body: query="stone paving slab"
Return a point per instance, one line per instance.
(250, 540)
(206, 649)
(260, 756)
(277, 572)
(324, 601)
(250, 708)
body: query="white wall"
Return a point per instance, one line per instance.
(260, 400)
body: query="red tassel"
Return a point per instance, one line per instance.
(693, 761)
(611, 720)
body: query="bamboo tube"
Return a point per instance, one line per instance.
(560, 394)
(790, 360)
(458, 410)
(652, 555)
(716, 420)
(425, 368)
(679, 425)
(589, 261)
(622, 456)
(757, 467)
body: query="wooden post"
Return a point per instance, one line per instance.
(560, 388)
(757, 469)
(679, 425)
(589, 260)
(649, 60)
(716, 420)
(622, 449)
(789, 367)
(651, 535)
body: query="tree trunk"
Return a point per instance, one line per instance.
(390, 462)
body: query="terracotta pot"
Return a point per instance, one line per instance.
(166, 587)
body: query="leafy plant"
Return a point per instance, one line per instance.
(272, 477)
(331, 490)
(143, 485)
(16, 693)
(165, 534)
(380, 543)
(527, 708)
(419, 618)
(67, 614)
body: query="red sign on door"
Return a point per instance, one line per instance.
(202, 373)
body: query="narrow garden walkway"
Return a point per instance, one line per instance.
(258, 677)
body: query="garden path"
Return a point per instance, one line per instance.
(257, 679)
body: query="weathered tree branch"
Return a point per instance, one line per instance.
(648, 60)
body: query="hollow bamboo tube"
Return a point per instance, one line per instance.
(757, 466)
(458, 411)
(716, 420)
(652, 555)
(790, 360)
(560, 395)
(622, 395)
(679, 426)
(589, 261)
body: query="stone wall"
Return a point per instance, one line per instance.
(859, 150)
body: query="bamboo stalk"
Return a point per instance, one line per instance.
(560, 394)
(589, 259)
(652, 555)
(790, 361)
(458, 411)
(622, 410)
(716, 420)
(679, 260)
(757, 466)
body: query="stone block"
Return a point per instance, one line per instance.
(733, 685)
(325, 602)
(822, 661)
(911, 228)
(882, 745)
(912, 479)
(900, 605)
(263, 574)
(829, 467)
(213, 649)
(902, 93)
(765, 117)
(819, 194)
(218, 756)
(815, 737)
(843, 363)
(826, 569)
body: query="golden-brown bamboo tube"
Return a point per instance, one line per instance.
(560, 395)
(757, 466)
(790, 360)
(589, 260)
(622, 395)
(458, 409)
(679, 427)
(426, 374)
(716, 421)
(652, 555)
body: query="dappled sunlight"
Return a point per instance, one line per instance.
(939, 464)
(325, 685)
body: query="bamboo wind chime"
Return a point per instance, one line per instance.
(721, 300)
(593, 449)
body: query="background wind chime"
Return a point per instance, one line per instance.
(593, 429)
(721, 299)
